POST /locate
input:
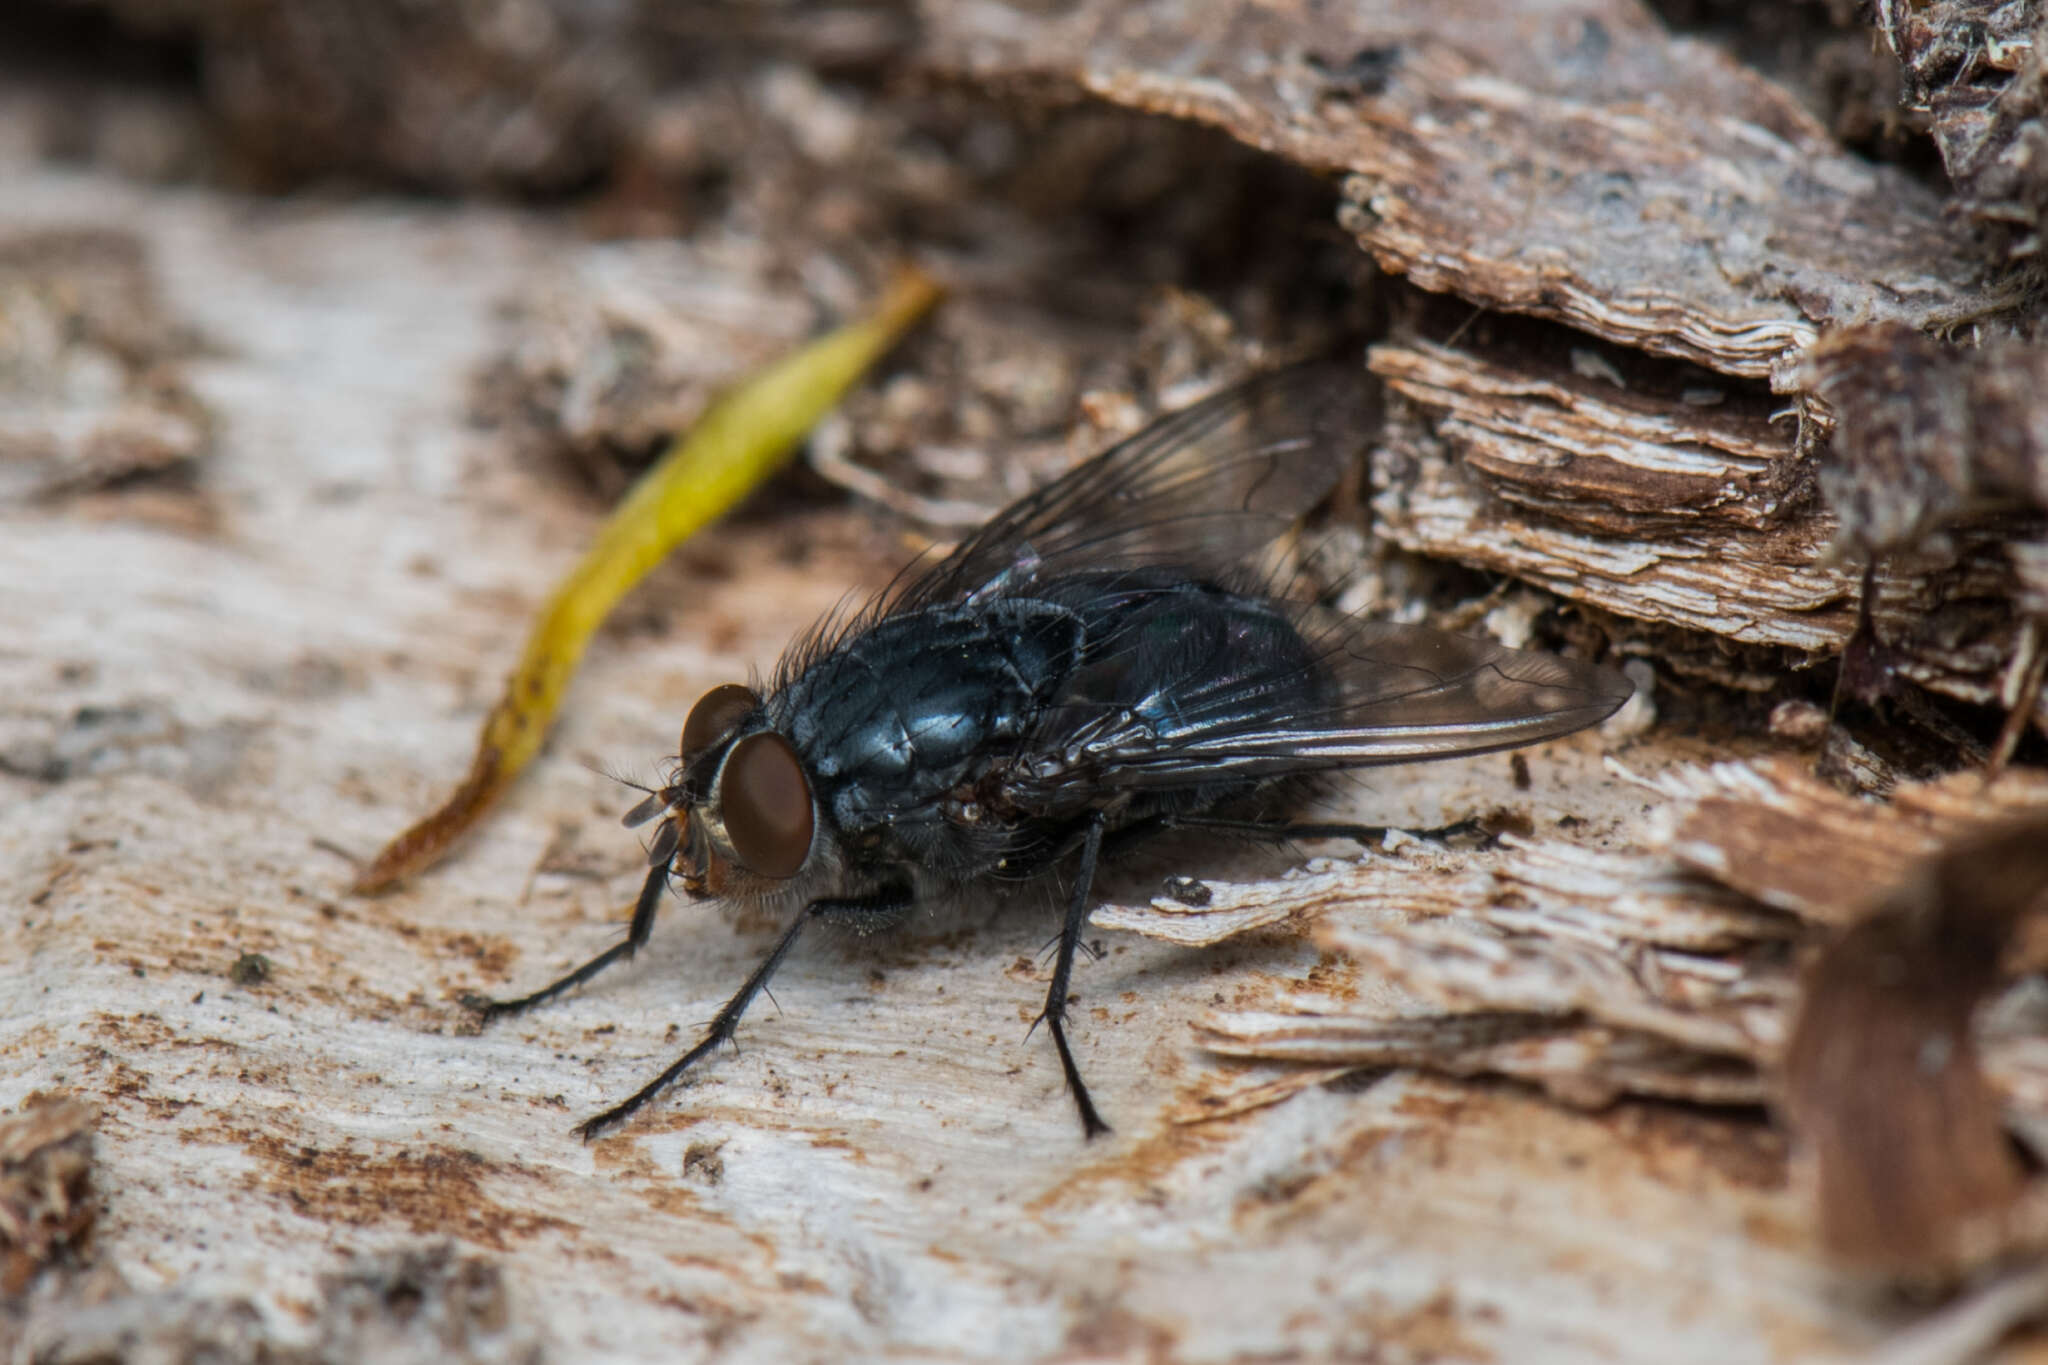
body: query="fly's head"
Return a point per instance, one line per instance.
(739, 819)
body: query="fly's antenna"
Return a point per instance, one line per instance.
(606, 770)
(653, 803)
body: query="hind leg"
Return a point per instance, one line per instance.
(861, 912)
(1055, 1013)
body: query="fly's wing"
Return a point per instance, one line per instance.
(1200, 490)
(1389, 694)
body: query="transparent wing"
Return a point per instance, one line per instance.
(1389, 694)
(1200, 490)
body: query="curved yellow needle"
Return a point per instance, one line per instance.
(738, 442)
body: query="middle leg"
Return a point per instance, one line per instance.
(1055, 1014)
(861, 911)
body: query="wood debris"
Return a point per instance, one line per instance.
(47, 1201)
(419, 1306)
(1671, 973)
(91, 396)
(1980, 76)
(1632, 499)
(1928, 434)
(1566, 161)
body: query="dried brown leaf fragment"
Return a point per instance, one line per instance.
(1900, 1132)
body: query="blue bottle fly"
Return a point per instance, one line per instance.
(1101, 663)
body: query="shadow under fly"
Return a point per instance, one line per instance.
(1101, 663)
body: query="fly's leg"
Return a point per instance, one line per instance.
(487, 1009)
(1055, 1013)
(1282, 831)
(860, 912)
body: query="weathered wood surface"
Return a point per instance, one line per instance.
(216, 693)
(1726, 227)
(888, 1166)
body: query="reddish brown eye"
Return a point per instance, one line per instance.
(765, 801)
(714, 716)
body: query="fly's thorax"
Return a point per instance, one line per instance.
(891, 719)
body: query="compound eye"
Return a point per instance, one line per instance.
(764, 800)
(716, 714)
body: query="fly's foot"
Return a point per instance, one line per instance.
(592, 1128)
(484, 1010)
(1092, 1125)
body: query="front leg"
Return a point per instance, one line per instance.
(487, 1009)
(865, 913)
(1055, 1014)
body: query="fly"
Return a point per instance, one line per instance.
(1098, 664)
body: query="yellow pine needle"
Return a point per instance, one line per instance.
(738, 442)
